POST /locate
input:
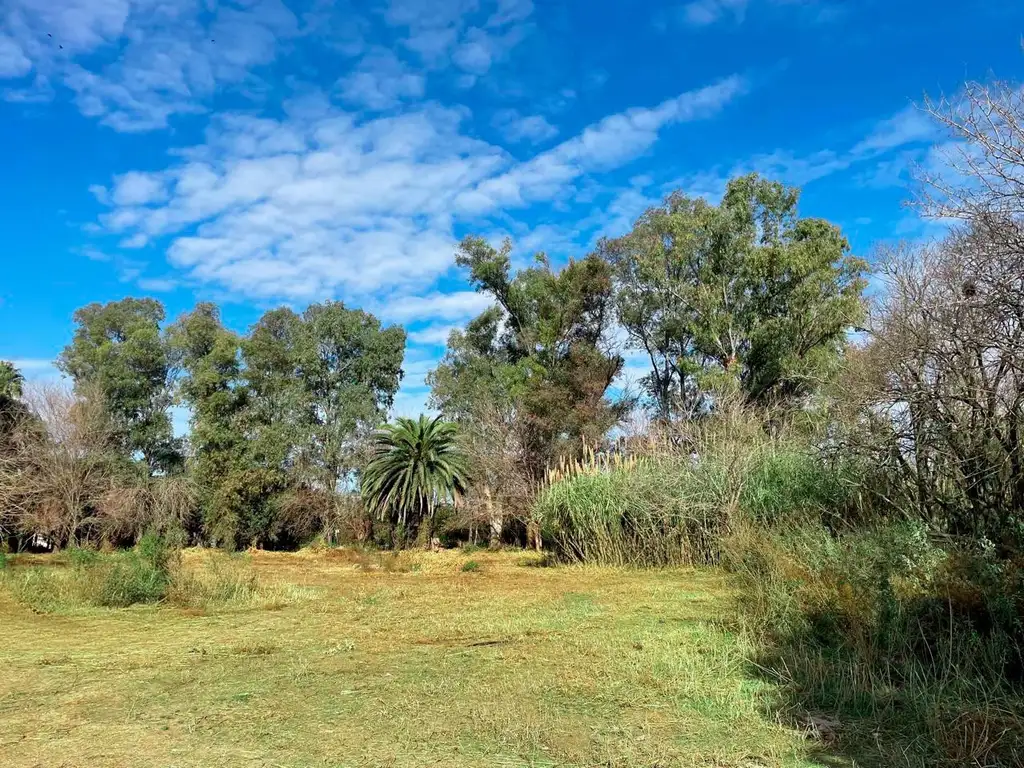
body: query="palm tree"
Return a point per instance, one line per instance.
(11, 382)
(11, 407)
(416, 465)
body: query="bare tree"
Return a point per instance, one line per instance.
(946, 359)
(59, 465)
(983, 169)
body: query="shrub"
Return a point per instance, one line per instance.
(470, 566)
(79, 557)
(139, 575)
(904, 641)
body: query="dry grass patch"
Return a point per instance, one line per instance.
(418, 664)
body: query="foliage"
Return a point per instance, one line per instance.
(538, 350)
(12, 409)
(137, 576)
(119, 355)
(281, 414)
(915, 650)
(416, 466)
(58, 466)
(354, 367)
(939, 388)
(676, 497)
(746, 289)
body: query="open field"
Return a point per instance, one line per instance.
(369, 660)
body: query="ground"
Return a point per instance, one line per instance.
(353, 660)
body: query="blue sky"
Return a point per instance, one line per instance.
(267, 152)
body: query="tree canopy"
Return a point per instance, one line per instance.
(746, 289)
(540, 350)
(415, 466)
(119, 351)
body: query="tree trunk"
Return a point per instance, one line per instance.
(494, 518)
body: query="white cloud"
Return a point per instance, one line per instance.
(510, 11)
(13, 61)
(705, 13)
(701, 13)
(411, 403)
(381, 81)
(457, 305)
(908, 126)
(523, 128)
(471, 34)
(35, 370)
(433, 335)
(147, 60)
(607, 144)
(322, 203)
(30, 364)
(136, 188)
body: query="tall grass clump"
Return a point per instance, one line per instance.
(910, 648)
(651, 512)
(221, 580)
(151, 573)
(137, 576)
(678, 496)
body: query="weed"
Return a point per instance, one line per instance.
(470, 566)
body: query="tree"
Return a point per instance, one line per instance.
(209, 355)
(320, 383)
(278, 413)
(60, 466)
(546, 341)
(746, 289)
(945, 379)
(351, 371)
(416, 466)
(11, 383)
(11, 389)
(119, 352)
(482, 395)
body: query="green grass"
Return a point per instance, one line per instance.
(370, 660)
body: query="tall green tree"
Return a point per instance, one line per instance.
(119, 351)
(416, 466)
(321, 382)
(746, 290)
(352, 368)
(277, 418)
(211, 388)
(543, 345)
(11, 383)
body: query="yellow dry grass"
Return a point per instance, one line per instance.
(361, 659)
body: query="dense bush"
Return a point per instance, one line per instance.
(652, 512)
(916, 649)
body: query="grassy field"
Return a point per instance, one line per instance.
(351, 659)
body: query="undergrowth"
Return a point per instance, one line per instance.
(150, 573)
(902, 650)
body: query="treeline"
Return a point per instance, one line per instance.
(743, 298)
(746, 292)
(278, 423)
